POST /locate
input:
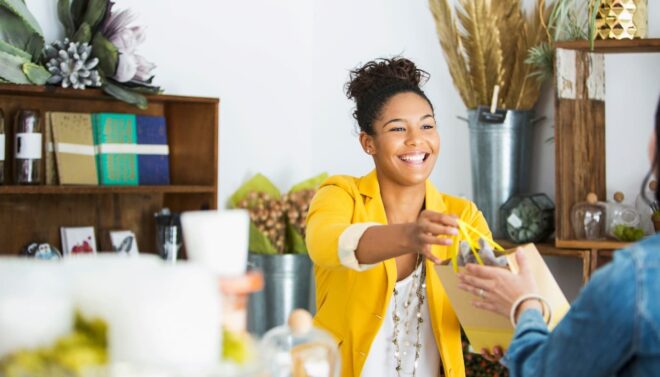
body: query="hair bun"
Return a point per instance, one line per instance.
(380, 73)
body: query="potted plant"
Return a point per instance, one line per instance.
(498, 58)
(277, 247)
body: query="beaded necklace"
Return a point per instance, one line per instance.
(418, 287)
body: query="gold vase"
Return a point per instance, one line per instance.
(621, 19)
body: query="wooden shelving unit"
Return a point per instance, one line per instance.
(614, 46)
(63, 190)
(580, 133)
(583, 244)
(35, 213)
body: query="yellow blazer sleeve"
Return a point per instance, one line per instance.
(330, 213)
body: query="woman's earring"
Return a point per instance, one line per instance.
(369, 151)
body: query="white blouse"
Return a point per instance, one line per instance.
(381, 360)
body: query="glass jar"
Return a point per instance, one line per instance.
(622, 220)
(646, 205)
(2, 147)
(588, 219)
(27, 148)
(300, 350)
(528, 218)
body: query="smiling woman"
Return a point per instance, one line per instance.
(373, 238)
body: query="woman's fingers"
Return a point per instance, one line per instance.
(433, 240)
(475, 283)
(485, 272)
(440, 218)
(438, 229)
(427, 253)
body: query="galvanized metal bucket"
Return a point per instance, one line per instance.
(500, 154)
(288, 285)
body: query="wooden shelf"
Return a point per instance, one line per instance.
(68, 190)
(45, 91)
(36, 213)
(614, 46)
(590, 245)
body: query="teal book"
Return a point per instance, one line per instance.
(115, 137)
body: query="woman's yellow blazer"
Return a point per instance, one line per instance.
(351, 304)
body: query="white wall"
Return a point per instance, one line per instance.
(279, 68)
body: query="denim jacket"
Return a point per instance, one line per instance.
(612, 328)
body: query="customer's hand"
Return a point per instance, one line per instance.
(493, 356)
(424, 232)
(498, 288)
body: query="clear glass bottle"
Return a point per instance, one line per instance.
(646, 205)
(588, 219)
(300, 350)
(27, 148)
(618, 214)
(2, 147)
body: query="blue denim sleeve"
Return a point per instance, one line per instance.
(595, 338)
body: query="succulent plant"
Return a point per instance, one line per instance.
(71, 64)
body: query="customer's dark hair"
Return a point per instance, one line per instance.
(656, 159)
(655, 166)
(375, 82)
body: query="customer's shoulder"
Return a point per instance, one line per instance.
(645, 252)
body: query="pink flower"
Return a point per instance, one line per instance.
(130, 67)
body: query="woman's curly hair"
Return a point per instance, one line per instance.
(374, 83)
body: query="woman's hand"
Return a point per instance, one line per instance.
(424, 232)
(498, 288)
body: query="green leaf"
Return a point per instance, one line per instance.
(35, 47)
(64, 14)
(84, 34)
(10, 68)
(78, 8)
(125, 95)
(309, 184)
(20, 9)
(107, 54)
(296, 242)
(37, 74)
(17, 24)
(258, 183)
(259, 242)
(95, 13)
(6, 47)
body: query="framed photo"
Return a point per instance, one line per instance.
(124, 241)
(78, 240)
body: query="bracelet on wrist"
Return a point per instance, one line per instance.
(546, 310)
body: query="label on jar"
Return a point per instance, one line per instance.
(2, 147)
(514, 221)
(27, 146)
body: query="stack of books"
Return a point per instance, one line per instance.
(106, 149)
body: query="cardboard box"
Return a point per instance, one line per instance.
(485, 329)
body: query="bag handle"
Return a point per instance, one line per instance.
(464, 232)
